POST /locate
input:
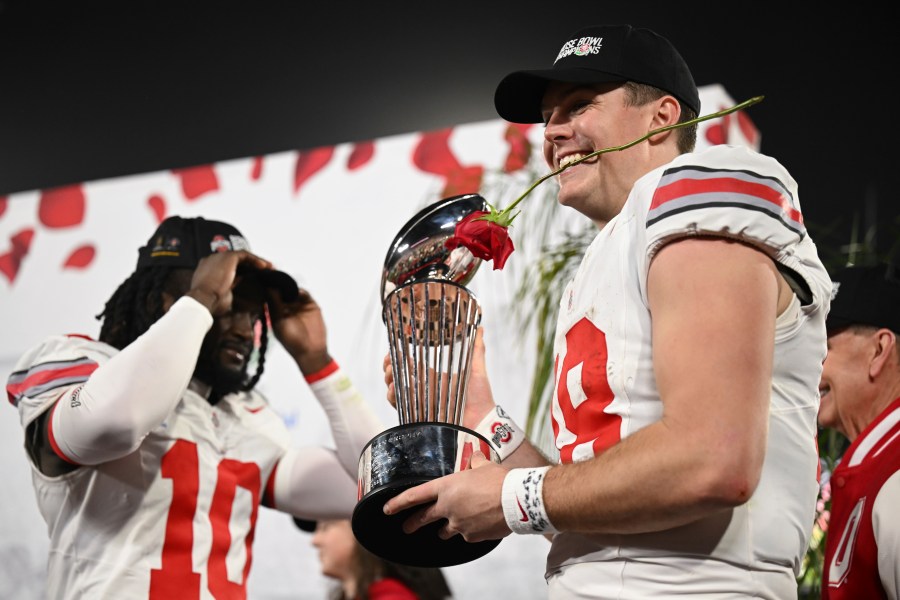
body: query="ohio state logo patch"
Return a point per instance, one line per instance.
(501, 433)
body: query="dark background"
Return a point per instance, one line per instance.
(98, 89)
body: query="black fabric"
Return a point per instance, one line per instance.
(866, 295)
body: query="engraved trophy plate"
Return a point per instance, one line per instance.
(431, 320)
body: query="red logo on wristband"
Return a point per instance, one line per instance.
(502, 433)
(524, 518)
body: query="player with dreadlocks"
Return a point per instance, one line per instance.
(151, 451)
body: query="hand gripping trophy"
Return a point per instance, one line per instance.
(431, 320)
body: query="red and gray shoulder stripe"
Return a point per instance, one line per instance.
(693, 187)
(43, 377)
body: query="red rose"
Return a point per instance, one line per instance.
(485, 239)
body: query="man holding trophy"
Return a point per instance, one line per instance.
(688, 351)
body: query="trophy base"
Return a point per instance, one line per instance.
(396, 460)
(383, 535)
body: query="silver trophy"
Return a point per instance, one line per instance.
(431, 320)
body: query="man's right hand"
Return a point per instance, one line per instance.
(214, 278)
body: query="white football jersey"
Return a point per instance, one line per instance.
(173, 519)
(606, 390)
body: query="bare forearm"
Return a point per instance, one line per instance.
(526, 455)
(651, 481)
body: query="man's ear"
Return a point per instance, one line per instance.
(885, 347)
(667, 113)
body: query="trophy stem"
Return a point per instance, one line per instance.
(431, 331)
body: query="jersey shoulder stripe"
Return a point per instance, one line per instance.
(43, 377)
(693, 187)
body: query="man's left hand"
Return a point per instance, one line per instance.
(300, 328)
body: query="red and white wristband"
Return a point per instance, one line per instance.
(502, 433)
(522, 498)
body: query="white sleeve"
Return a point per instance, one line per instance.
(353, 422)
(134, 391)
(886, 525)
(310, 484)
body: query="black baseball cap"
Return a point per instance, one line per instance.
(180, 242)
(600, 54)
(865, 295)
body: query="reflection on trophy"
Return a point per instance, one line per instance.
(431, 320)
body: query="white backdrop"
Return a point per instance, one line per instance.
(326, 216)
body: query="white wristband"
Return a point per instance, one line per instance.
(502, 433)
(523, 501)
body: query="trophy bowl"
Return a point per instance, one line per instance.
(431, 320)
(418, 252)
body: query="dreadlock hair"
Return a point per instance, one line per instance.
(138, 303)
(261, 358)
(133, 307)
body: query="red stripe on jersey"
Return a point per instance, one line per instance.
(39, 378)
(688, 187)
(52, 437)
(268, 499)
(322, 373)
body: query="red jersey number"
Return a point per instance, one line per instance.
(176, 578)
(584, 416)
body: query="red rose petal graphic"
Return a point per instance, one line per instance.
(256, 171)
(310, 162)
(519, 147)
(158, 205)
(62, 206)
(80, 257)
(433, 155)
(197, 181)
(717, 133)
(361, 154)
(11, 261)
(748, 128)
(465, 180)
(3, 202)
